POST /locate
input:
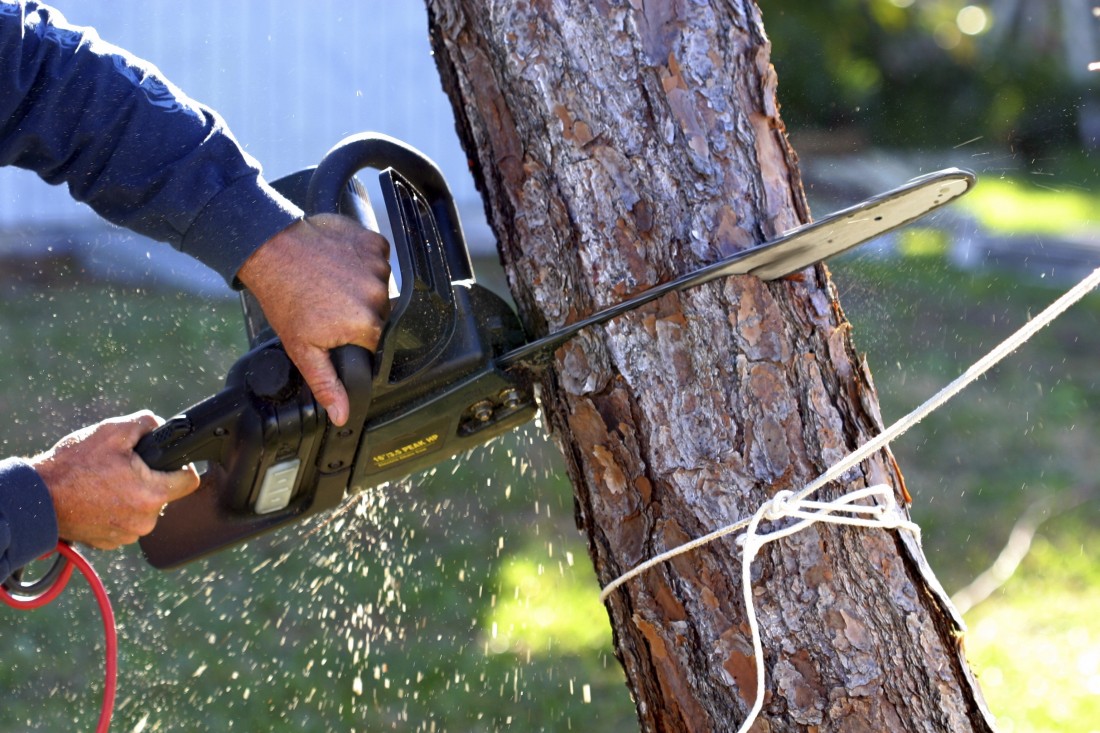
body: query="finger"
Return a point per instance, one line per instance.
(109, 544)
(139, 423)
(111, 537)
(316, 368)
(125, 431)
(167, 485)
(181, 483)
(364, 320)
(376, 252)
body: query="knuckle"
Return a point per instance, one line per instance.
(112, 538)
(325, 391)
(145, 527)
(374, 335)
(150, 507)
(381, 246)
(146, 418)
(140, 523)
(378, 293)
(147, 502)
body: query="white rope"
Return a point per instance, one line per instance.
(887, 515)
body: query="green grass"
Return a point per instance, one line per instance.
(1036, 646)
(1016, 206)
(464, 600)
(1024, 431)
(381, 619)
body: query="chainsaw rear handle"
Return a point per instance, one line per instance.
(205, 431)
(180, 441)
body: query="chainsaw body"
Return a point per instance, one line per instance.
(432, 389)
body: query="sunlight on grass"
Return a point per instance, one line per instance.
(922, 242)
(1011, 206)
(544, 603)
(1036, 647)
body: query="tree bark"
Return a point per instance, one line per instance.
(619, 143)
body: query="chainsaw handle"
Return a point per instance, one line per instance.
(164, 449)
(326, 191)
(355, 368)
(374, 150)
(198, 434)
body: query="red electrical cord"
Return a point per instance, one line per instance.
(74, 558)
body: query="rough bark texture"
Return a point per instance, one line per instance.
(619, 143)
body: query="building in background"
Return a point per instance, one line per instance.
(291, 78)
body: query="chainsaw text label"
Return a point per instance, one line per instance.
(416, 448)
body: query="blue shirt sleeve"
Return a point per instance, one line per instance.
(79, 111)
(28, 525)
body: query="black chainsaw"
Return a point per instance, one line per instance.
(454, 367)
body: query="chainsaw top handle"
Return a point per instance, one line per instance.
(325, 193)
(426, 233)
(373, 150)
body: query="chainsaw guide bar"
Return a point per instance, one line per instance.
(795, 250)
(454, 367)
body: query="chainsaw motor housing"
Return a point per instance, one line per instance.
(431, 391)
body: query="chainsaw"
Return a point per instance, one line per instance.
(454, 367)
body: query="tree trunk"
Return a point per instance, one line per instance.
(619, 143)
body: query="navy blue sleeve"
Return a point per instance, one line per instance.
(79, 111)
(28, 525)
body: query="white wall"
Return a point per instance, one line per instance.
(291, 77)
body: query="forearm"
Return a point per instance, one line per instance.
(79, 111)
(28, 525)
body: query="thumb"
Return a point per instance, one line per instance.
(316, 368)
(169, 485)
(180, 483)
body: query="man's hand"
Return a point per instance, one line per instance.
(104, 494)
(322, 283)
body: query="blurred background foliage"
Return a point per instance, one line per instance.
(913, 73)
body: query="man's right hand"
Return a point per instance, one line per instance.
(103, 493)
(322, 283)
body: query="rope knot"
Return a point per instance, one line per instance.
(779, 506)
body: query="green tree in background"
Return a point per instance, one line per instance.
(914, 72)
